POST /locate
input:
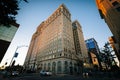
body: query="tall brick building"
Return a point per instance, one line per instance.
(52, 46)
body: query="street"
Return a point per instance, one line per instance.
(36, 76)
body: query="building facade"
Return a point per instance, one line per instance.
(94, 52)
(52, 45)
(6, 36)
(80, 47)
(110, 11)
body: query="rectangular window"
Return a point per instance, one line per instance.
(115, 3)
(101, 1)
(118, 9)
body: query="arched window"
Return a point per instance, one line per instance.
(71, 68)
(59, 66)
(41, 66)
(54, 67)
(75, 67)
(45, 66)
(49, 66)
(66, 67)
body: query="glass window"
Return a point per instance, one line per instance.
(49, 65)
(54, 67)
(118, 9)
(60, 54)
(59, 66)
(115, 3)
(66, 67)
(45, 66)
(94, 60)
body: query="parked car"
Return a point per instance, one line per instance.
(45, 73)
(15, 73)
(5, 73)
(48, 73)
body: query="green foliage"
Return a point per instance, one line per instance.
(106, 56)
(115, 68)
(14, 68)
(8, 11)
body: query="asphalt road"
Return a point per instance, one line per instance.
(55, 77)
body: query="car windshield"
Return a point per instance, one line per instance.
(42, 71)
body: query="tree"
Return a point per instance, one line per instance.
(107, 57)
(8, 11)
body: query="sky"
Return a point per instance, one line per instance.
(33, 13)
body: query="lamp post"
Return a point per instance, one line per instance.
(16, 53)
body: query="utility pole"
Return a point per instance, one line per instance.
(16, 53)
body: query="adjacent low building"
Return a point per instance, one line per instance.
(94, 52)
(6, 35)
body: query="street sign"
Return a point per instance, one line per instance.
(16, 54)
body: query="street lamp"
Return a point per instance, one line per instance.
(16, 54)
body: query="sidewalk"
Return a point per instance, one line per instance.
(3, 77)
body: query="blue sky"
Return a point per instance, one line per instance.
(33, 13)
